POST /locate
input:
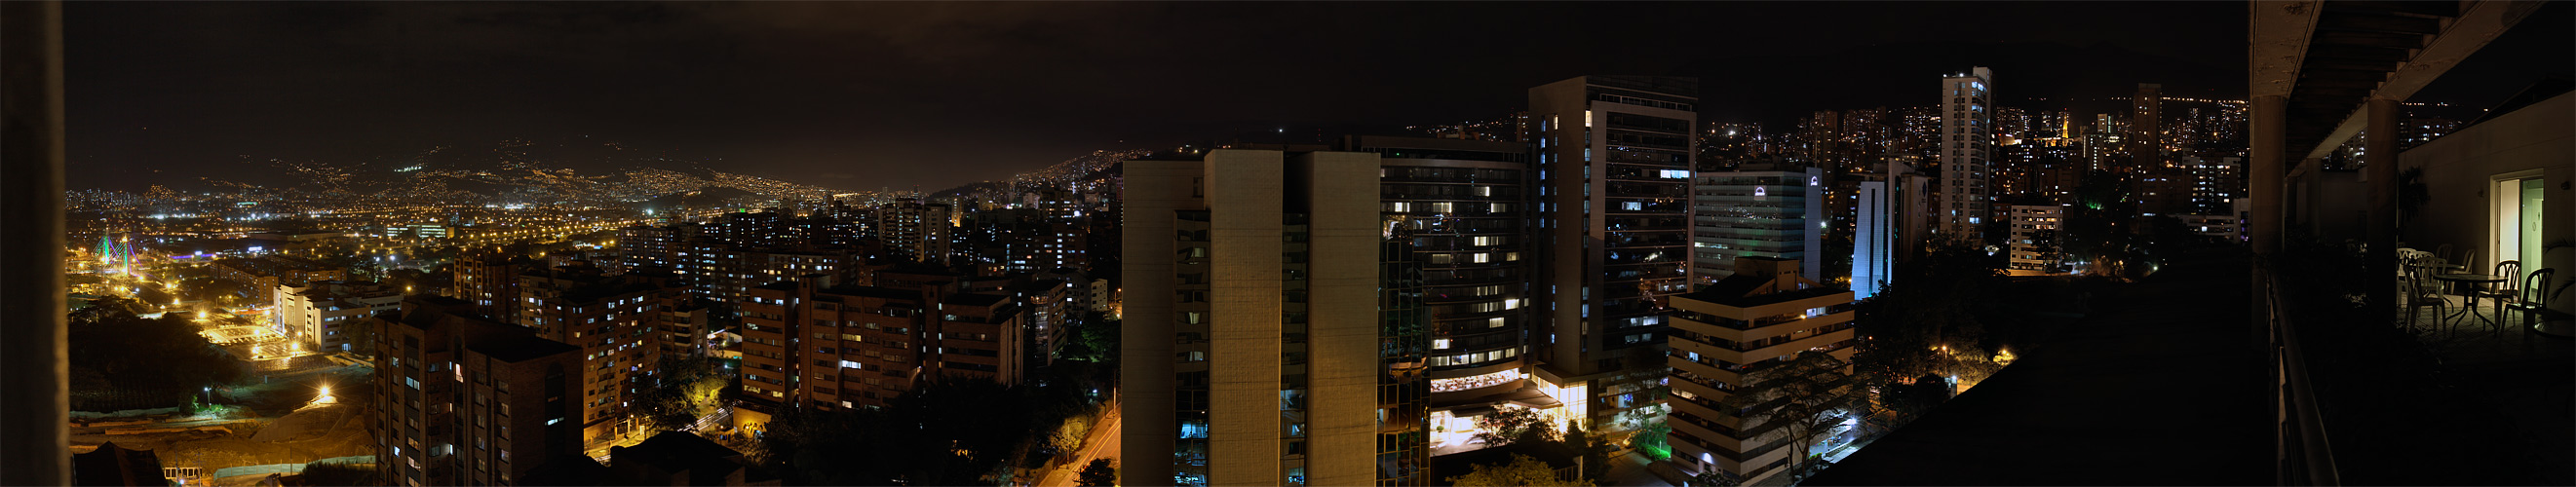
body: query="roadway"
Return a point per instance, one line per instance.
(1102, 443)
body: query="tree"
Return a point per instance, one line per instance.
(132, 351)
(1594, 454)
(1653, 439)
(1905, 401)
(1522, 471)
(1930, 304)
(1513, 424)
(687, 389)
(1099, 473)
(945, 431)
(1803, 398)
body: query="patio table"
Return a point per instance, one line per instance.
(2476, 282)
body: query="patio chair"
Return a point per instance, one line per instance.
(2536, 296)
(2504, 292)
(2418, 295)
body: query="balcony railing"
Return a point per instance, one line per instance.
(2301, 454)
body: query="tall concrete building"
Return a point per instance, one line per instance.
(1737, 337)
(815, 343)
(2146, 128)
(916, 230)
(1756, 211)
(1464, 204)
(1613, 227)
(1252, 350)
(2216, 183)
(1967, 114)
(489, 279)
(613, 319)
(460, 400)
(1892, 218)
(653, 246)
(1873, 241)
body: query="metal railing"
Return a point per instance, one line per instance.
(2301, 454)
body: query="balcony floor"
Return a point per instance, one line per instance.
(2510, 400)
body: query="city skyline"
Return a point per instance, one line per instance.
(1392, 244)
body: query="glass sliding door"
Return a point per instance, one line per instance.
(2529, 226)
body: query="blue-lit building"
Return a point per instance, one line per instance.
(1873, 244)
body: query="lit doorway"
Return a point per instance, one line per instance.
(2516, 219)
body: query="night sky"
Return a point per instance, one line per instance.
(871, 95)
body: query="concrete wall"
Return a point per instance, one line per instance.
(1342, 315)
(1154, 190)
(1245, 191)
(2459, 170)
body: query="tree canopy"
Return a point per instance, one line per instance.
(1098, 473)
(951, 431)
(107, 340)
(1511, 424)
(1522, 471)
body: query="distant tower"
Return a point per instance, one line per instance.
(2146, 134)
(1967, 113)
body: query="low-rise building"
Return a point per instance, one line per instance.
(2036, 248)
(329, 316)
(2228, 228)
(264, 273)
(1728, 338)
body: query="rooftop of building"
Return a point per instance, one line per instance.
(116, 465)
(272, 264)
(874, 292)
(567, 469)
(520, 348)
(1737, 291)
(707, 462)
(1040, 285)
(982, 300)
(918, 268)
(1403, 147)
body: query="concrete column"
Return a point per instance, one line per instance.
(2379, 166)
(33, 347)
(2264, 173)
(2263, 183)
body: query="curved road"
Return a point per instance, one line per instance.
(1103, 443)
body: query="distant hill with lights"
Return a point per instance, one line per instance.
(516, 171)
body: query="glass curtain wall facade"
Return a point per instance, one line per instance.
(1776, 214)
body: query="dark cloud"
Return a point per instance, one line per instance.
(864, 95)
